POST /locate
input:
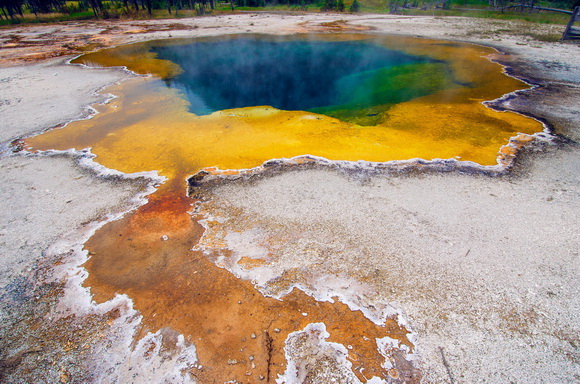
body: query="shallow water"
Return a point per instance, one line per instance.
(150, 126)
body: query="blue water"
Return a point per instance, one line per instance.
(289, 74)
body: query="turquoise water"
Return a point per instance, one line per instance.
(351, 80)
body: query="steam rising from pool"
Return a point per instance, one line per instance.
(306, 75)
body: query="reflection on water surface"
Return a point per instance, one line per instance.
(425, 101)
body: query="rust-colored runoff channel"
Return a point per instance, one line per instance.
(238, 333)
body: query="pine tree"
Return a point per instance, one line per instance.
(354, 7)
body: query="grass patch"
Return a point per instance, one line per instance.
(547, 37)
(30, 18)
(539, 17)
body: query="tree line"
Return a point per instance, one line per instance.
(12, 9)
(15, 9)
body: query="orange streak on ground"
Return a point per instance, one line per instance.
(249, 263)
(226, 318)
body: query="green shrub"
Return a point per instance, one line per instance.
(354, 7)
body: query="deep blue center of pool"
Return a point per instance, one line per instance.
(291, 74)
